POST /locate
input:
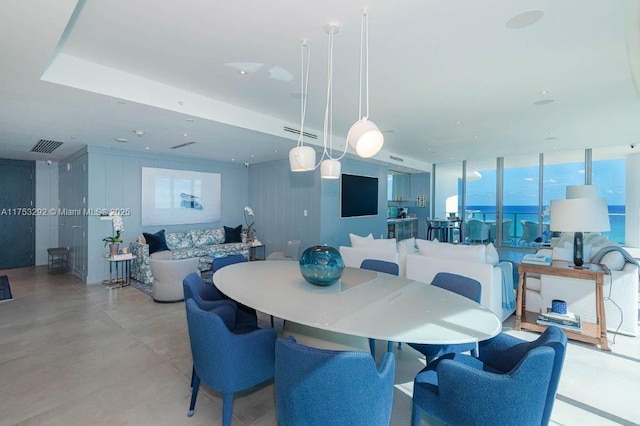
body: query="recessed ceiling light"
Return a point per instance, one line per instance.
(525, 19)
(233, 159)
(475, 136)
(190, 120)
(121, 102)
(139, 133)
(544, 102)
(458, 122)
(72, 137)
(543, 92)
(123, 140)
(242, 72)
(275, 150)
(185, 135)
(147, 148)
(180, 103)
(252, 156)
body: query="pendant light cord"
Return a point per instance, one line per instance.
(304, 85)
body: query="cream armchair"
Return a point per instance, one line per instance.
(168, 276)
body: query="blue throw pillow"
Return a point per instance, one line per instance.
(233, 235)
(156, 241)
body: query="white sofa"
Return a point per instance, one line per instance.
(421, 260)
(620, 288)
(469, 261)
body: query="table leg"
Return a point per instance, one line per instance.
(601, 318)
(520, 300)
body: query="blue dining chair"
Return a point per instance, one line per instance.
(221, 262)
(511, 382)
(225, 361)
(208, 297)
(325, 387)
(387, 268)
(464, 286)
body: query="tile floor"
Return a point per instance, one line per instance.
(76, 354)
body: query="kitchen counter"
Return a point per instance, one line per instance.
(402, 228)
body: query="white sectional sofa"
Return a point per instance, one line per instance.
(620, 288)
(470, 261)
(421, 260)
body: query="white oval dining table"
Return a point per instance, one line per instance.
(363, 303)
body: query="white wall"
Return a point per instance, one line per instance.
(46, 199)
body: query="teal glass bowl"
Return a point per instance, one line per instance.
(321, 265)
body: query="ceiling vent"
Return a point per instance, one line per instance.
(297, 132)
(182, 145)
(396, 158)
(45, 146)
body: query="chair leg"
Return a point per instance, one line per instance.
(372, 347)
(195, 384)
(415, 415)
(389, 346)
(193, 374)
(399, 345)
(227, 409)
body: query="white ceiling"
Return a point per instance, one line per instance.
(449, 81)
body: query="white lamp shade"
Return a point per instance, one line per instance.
(330, 169)
(580, 215)
(581, 191)
(365, 138)
(302, 159)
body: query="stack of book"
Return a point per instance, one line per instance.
(124, 256)
(566, 321)
(536, 259)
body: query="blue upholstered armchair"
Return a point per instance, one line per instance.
(511, 382)
(208, 297)
(224, 361)
(464, 286)
(325, 387)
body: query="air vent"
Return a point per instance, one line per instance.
(182, 145)
(297, 132)
(45, 146)
(396, 158)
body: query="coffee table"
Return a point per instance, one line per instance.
(363, 303)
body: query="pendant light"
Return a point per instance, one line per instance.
(364, 137)
(303, 158)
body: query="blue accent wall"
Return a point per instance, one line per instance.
(280, 197)
(115, 181)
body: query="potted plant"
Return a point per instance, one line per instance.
(250, 220)
(114, 242)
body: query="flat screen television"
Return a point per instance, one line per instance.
(358, 195)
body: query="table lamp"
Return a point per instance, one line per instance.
(581, 212)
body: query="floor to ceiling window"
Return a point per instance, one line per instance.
(608, 174)
(520, 198)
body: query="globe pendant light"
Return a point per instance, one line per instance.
(364, 137)
(303, 158)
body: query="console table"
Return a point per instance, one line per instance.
(595, 333)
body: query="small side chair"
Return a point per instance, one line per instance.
(327, 387)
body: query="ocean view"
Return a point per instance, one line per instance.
(530, 213)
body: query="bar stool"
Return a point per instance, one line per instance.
(437, 229)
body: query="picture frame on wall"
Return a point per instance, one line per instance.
(176, 197)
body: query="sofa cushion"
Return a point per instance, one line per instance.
(358, 241)
(202, 237)
(157, 241)
(407, 246)
(492, 256)
(468, 253)
(233, 235)
(383, 244)
(179, 240)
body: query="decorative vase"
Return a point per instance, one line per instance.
(250, 235)
(321, 265)
(114, 248)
